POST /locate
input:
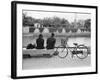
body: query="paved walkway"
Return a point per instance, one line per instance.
(55, 62)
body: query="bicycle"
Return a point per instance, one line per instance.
(81, 51)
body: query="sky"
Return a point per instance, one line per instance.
(69, 16)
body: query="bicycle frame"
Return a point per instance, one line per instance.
(68, 48)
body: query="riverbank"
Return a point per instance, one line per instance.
(82, 34)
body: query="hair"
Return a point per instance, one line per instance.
(40, 35)
(52, 34)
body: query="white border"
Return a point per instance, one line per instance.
(21, 72)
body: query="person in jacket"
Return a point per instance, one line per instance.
(51, 42)
(40, 42)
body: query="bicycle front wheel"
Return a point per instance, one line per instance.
(62, 51)
(82, 52)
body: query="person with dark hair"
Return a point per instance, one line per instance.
(40, 42)
(51, 42)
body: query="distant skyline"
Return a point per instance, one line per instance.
(69, 16)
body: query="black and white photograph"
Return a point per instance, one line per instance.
(55, 39)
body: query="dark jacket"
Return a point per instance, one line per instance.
(51, 43)
(40, 43)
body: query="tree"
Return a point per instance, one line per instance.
(27, 21)
(56, 21)
(87, 24)
(65, 23)
(80, 24)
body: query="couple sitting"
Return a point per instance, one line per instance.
(50, 42)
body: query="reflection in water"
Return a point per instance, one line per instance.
(80, 40)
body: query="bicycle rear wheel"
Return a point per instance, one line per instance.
(82, 52)
(62, 51)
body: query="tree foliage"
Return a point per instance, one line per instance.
(87, 24)
(56, 22)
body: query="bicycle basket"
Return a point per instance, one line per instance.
(63, 42)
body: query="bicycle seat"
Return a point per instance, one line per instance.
(75, 44)
(81, 45)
